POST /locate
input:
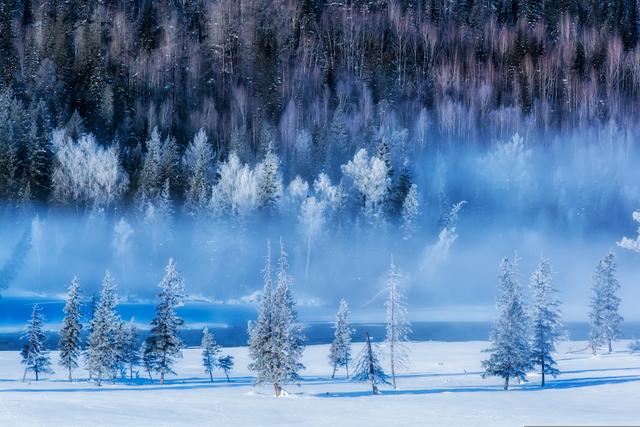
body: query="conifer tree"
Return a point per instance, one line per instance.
(368, 368)
(71, 329)
(605, 303)
(164, 341)
(225, 362)
(510, 353)
(35, 356)
(397, 325)
(340, 351)
(269, 185)
(131, 350)
(210, 350)
(102, 344)
(546, 326)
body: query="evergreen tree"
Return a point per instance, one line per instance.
(197, 161)
(410, 212)
(164, 341)
(225, 362)
(8, 57)
(148, 358)
(397, 325)
(103, 340)
(131, 350)
(119, 365)
(546, 326)
(210, 350)
(368, 368)
(34, 354)
(605, 317)
(276, 340)
(70, 341)
(269, 185)
(340, 351)
(510, 353)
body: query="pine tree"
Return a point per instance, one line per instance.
(164, 341)
(119, 365)
(269, 185)
(276, 340)
(397, 325)
(197, 161)
(546, 326)
(210, 350)
(70, 341)
(605, 316)
(510, 353)
(148, 358)
(131, 350)
(368, 368)
(102, 344)
(340, 351)
(410, 211)
(225, 362)
(34, 354)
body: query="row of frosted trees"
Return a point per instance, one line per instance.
(525, 338)
(113, 349)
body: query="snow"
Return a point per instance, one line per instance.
(442, 386)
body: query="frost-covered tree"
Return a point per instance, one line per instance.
(370, 176)
(410, 212)
(131, 348)
(605, 304)
(276, 341)
(164, 341)
(235, 193)
(546, 324)
(368, 368)
(119, 365)
(70, 341)
(197, 161)
(148, 358)
(225, 362)
(632, 244)
(103, 340)
(35, 356)
(210, 351)
(311, 221)
(340, 350)
(510, 352)
(397, 325)
(269, 182)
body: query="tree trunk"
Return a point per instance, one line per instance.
(211, 375)
(610, 349)
(347, 368)
(334, 371)
(70, 379)
(36, 371)
(24, 377)
(506, 383)
(277, 389)
(131, 372)
(161, 378)
(227, 375)
(542, 363)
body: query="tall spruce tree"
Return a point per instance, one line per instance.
(164, 341)
(397, 325)
(340, 351)
(546, 324)
(102, 343)
(605, 305)
(510, 352)
(35, 356)
(368, 368)
(70, 341)
(131, 350)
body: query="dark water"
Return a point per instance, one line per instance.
(229, 323)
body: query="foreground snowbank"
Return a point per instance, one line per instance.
(442, 387)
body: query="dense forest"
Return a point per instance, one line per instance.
(219, 105)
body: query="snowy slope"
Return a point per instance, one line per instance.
(443, 387)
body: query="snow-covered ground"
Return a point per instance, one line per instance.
(442, 387)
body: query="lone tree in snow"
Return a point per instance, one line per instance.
(210, 350)
(510, 351)
(225, 362)
(340, 351)
(398, 327)
(71, 329)
(131, 349)
(164, 341)
(35, 356)
(276, 341)
(546, 324)
(103, 341)
(605, 316)
(368, 367)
